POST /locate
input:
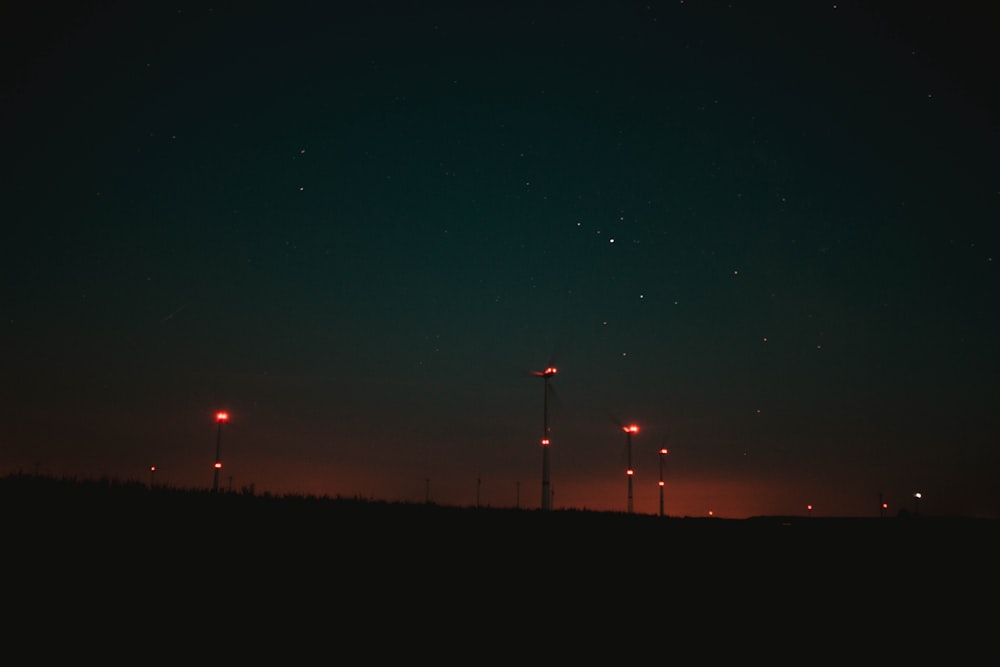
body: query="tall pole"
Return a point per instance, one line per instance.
(629, 472)
(546, 482)
(663, 452)
(220, 418)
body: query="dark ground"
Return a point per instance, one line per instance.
(99, 552)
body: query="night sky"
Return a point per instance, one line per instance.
(764, 232)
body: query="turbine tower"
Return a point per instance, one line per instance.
(663, 452)
(546, 482)
(220, 418)
(629, 472)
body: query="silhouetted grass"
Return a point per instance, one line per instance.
(122, 510)
(108, 555)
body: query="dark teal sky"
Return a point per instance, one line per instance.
(765, 232)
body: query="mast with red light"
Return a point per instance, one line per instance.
(546, 482)
(629, 472)
(220, 418)
(663, 453)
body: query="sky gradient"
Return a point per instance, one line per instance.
(763, 232)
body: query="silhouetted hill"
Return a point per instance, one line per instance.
(107, 512)
(121, 557)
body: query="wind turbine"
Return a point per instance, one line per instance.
(546, 482)
(220, 418)
(629, 472)
(663, 452)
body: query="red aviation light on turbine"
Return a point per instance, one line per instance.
(545, 442)
(221, 417)
(631, 428)
(629, 472)
(661, 483)
(218, 465)
(664, 451)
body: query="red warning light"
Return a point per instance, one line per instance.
(551, 370)
(661, 483)
(663, 451)
(218, 465)
(631, 428)
(221, 416)
(629, 472)
(545, 442)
